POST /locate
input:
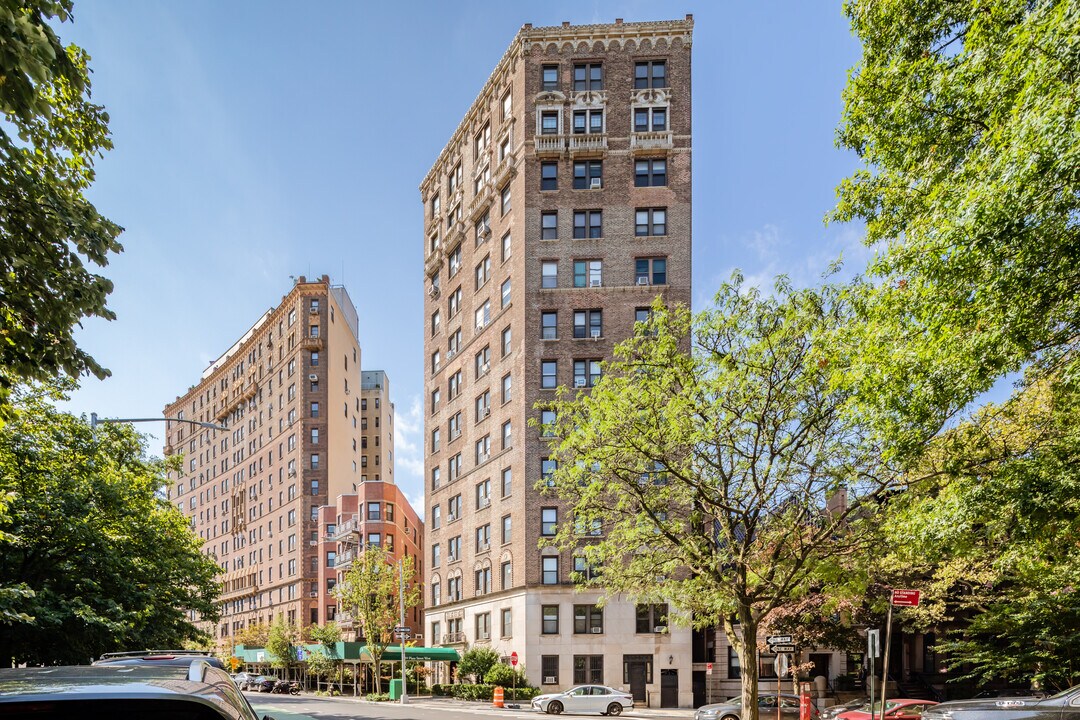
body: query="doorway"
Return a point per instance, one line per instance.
(669, 688)
(637, 673)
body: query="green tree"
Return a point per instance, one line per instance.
(325, 661)
(50, 233)
(477, 661)
(505, 676)
(729, 479)
(994, 538)
(281, 643)
(112, 565)
(369, 591)
(965, 115)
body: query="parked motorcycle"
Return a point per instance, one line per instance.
(283, 687)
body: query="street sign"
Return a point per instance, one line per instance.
(708, 668)
(782, 648)
(873, 643)
(402, 629)
(905, 598)
(781, 665)
(779, 639)
(513, 658)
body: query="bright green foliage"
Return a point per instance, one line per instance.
(320, 664)
(327, 634)
(370, 592)
(702, 478)
(505, 676)
(112, 565)
(994, 538)
(282, 643)
(967, 115)
(49, 232)
(476, 662)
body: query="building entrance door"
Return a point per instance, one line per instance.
(669, 688)
(636, 672)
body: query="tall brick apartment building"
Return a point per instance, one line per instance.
(289, 392)
(557, 212)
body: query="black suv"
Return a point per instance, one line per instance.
(198, 691)
(158, 657)
(1063, 706)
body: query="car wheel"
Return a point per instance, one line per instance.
(614, 709)
(554, 707)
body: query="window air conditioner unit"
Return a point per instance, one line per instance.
(434, 291)
(314, 311)
(660, 629)
(643, 280)
(595, 283)
(485, 367)
(549, 679)
(450, 354)
(480, 325)
(579, 382)
(596, 630)
(483, 457)
(313, 543)
(595, 334)
(314, 594)
(485, 412)
(313, 377)
(292, 473)
(594, 184)
(485, 231)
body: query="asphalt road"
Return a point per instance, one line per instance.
(290, 707)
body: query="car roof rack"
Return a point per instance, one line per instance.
(150, 653)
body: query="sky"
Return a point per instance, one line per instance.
(260, 140)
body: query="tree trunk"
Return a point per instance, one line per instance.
(744, 638)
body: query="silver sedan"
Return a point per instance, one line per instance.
(583, 699)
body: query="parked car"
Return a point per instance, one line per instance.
(585, 698)
(834, 710)
(1009, 692)
(732, 709)
(241, 679)
(178, 658)
(122, 691)
(263, 683)
(907, 708)
(1063, 706)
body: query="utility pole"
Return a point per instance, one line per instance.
(401, 637)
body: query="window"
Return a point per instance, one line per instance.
(507, 435)
(507, 575)
(374, 511)
(482, 316)
(435, 440)
(453, 508)
(650, 119)
(455, 467)
(314, 436)
(453, 594)
(549, 122)
(734, 669)
(586, 373)
(436, 473)
(650, 221)
(436, 555)
(549, 669)
(454, 180)
(453, 303)
(583, 569)
(314, 409)
(454, 386)
(549, 77)
(483, 449)
(483, 229)
(436, 365)
(504, 195)
(650, 74)
(454, 262)
(549, 274)
(482, 180)
(508, 105)
(482, 141)
(434, 213)
(436, 634)
(550, 616)
(506, 337)
(586, 172)
(549, 369)
(549, 521)
(549, 176)
(588, 619)
(549, 226)
(483, 271)
(453, 549)
(507, 482)
(506, 623)
(436, 517)
(650, 173)
(483, 494)
(550, 572)
(588, 224)
(651, 618)
(548, 467)
(506, 529)
(588, 273)
(483, 539)
(313, 331)
(482, 361)
(483, 405)
(483, 625)
(435, 401)
(507, 387)
(453, 427)
(588, 323)
(650, 271)
(314, 359)
(504, 294)
(589, 669)
(436, 322)
(588, 76)
(549, 325)
(453, 343)
(314, 461)
(588, 121)
(547, 423)
(506, 246)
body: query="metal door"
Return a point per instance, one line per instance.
(669, 688)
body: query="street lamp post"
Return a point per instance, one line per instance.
(95, 421)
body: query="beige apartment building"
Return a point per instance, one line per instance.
(288, 394)
(377, 427)
(557, 212)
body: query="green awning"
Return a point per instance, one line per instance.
(393, 654)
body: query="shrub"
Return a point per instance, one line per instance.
(477, 661)
(378, 697)
(501, 674)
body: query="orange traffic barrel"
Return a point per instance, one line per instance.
(497, 696)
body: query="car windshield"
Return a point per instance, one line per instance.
(1065, 693)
